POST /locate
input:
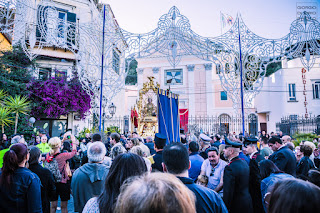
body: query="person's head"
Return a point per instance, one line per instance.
(298, 153)
(274, 143)
(133, 142)
(285, 139)
(263, 132)
(203, 180)
(38, 139)
(310, 144)
(231, 152)
(123, 167)
(44, 139)
(175, 159)
(149, 139)
(213, 156)
(114, 138)
(250, 148)
(35, 155)
(96, 152)
(96, 137)
(156, 192)
(117, 150)
(17, 139)
(138, 151)
(306, 150)
(15, 157)
(55, 144)
(217, 137)
(135, 135)
(267, 167)
(160, 141)
(294, 196)
(3, 137)
(290, 145)
(314, 176)
(193, 146)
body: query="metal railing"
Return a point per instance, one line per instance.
(293, 124)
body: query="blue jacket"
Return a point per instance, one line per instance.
(284, 160)
(196, 163)
(24, 194)
(207, 200)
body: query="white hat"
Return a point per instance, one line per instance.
(205, 138)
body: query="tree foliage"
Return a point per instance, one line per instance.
(131, 66)
(14, 71)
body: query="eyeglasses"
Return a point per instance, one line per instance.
(212, 171)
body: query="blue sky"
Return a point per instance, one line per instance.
(266, 18)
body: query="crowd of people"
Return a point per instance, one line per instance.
(128, 173)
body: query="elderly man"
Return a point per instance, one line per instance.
(283, 157)
(88, 180)
(213, 167)
(236, 194)
(176, 161)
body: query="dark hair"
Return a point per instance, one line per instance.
(34, 155)
(217, 137)
(212, 149)
(306, 150)
(11, 161)
(294, 196)
(175, 157)
(96, 137)
(160, 143)
(123, 166)
(115, 136)
(264, 140)
(314, 176)
(274, 139)
(194, 146)
(267, 167)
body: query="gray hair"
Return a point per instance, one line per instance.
(96, 152)
(16, 139)
(117, 150)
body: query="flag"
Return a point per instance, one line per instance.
(226, 20)
(168, 115)
(184, 119)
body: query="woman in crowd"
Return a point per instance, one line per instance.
(131, 143)
(4, 143)
(123, 166)
(138, 151)
(156, 192)
(47, 181)
(294, 196)
(270, 174)
(305, 164)
(19, 187)
(63, 188)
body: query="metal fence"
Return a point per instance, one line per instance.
(222, 124)
(293, 124)
(121, 122)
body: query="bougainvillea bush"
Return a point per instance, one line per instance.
(56, 96)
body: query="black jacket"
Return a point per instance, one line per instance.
(48, 187)
(236, 194)
(157, 166)
(207, 200)
(303, 167)
(284, 160)
(255, 183)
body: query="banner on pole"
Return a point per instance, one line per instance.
(168, 115)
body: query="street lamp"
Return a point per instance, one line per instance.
(112, 110)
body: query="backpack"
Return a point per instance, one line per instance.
(52, 164)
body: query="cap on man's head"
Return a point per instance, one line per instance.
(248, 141)
(230, 143)
(160, 140)
(205, 138)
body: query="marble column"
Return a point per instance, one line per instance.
(209, 93)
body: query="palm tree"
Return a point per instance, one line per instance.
(3, 95)
(18, 105)
(5, 118)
